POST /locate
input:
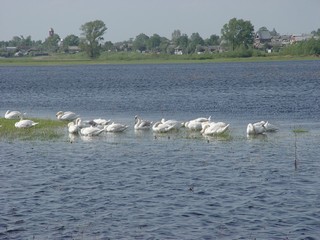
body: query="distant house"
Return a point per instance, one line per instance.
(18, 54)
(178, 51)
(73, 49)
(280, 41)
(216, 49)
(123, 47)
(262, 38)
(285, 39)
(209, 49)
(300, 38)
(201, 50)
(11, 49)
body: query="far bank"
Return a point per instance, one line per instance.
(137, 58)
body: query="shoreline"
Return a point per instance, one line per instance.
(60, 60)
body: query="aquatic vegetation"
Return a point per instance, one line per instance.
(46, 130)
(299, 130)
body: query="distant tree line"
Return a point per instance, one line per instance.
(237, 36)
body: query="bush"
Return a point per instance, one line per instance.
(240, 52)
(309, 47)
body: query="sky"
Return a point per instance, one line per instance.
(126, 19)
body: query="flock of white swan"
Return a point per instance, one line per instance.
(97, 126)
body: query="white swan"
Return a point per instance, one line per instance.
(202, 119)
(196, 124)
(101, 121)
(270, 127)
(73, 127)
(214, 128)
(160, 127)
(260, 128)
(91, 131)
(13, 115)
(174, 123)
(67, 116)
(116, 127)
(256, 128)
(25, 123)
(141, 124)
(83, 124)
(193, 125)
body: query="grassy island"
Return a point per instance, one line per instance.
(46, 129)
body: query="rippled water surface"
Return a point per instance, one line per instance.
(138, 185)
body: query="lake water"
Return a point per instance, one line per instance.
(138, 185)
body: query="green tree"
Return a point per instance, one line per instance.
(140, 42)
(213, 40)
(27, 42)
(316, 33)
(71, 40)
(153, 42)
(91, 37)
(21, 41)
(108, 46)
(15, 42)
(164, 45)
(182, 42)
(238, 33)
(51, 44)
(195, 41)
(263, 29)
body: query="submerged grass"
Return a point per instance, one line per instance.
(46, 130)
(299, 130)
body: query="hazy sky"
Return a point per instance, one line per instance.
(126, 19)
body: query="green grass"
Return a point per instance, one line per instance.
(299, 130)
(139, 58)
(46, 130)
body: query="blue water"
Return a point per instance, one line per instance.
(138, 185)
